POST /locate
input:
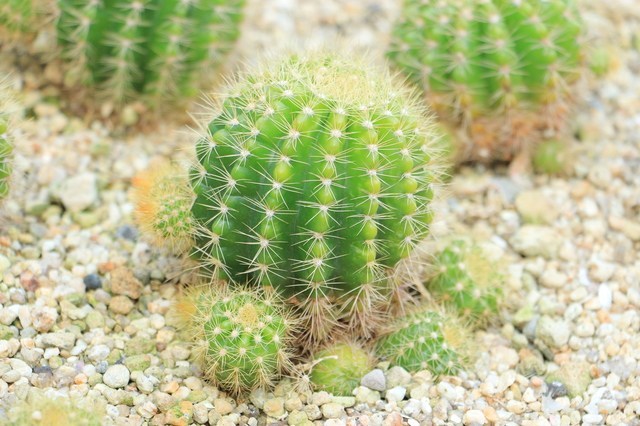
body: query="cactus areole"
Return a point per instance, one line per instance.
(315, 178)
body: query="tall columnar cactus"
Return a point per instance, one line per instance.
(242, 337)
(498, 70)
(467, 281)
(339, 366)
(6, 140)
(315, 178)
(427, 339)
(151, 48)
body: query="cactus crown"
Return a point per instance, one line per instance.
(314, 177)
(430, 339)
(242, 336)
(7, 122)
(467, 281)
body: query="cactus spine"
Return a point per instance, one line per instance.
(426, 339)
(498, 70)
(242, 337)
(466, 281)
(6, 140)
(159, 50)
(315, 178)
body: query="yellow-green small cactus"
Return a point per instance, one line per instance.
(7, 127)
(56, 411)
(338, 367)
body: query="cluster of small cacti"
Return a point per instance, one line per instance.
(7, 122)
(497, 71)
(464, 279)
(52, 411)
(153, 50)
(243, 337)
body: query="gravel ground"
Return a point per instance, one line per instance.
(83, 301)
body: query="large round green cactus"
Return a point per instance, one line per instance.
(6, 140)
(499, 68)
(157, 49)
(426, 339)
(242, 337)
(315, 178)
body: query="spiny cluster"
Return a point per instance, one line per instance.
(314, 178)
(155, 49)
(6, 140)
(499, 68)
(464, 279)
(242, 337)
(163, 207)
(338, 367)
(427, 339)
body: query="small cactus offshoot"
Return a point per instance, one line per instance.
(150, 49)
(338, 367)
(426, 339)
(467, 281)
(242, 337)
(6, 140)
(500, 71)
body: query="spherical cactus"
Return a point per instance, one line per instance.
(47, 411)
(338, 367)
(7, 122)
(499, 71)
(467, 281)
(163, 203)
(315, 178)
(427, 339)
(150, 49)
(242, 336)
(552, 157)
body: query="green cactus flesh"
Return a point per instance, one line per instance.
(550, 157)
(467, 281)
(6, 143)
(158, 48)
(314, 178)
(242, 337)
(425, 340)
(339, 367)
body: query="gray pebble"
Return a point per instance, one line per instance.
(375, 380)
(92, 282)
(116, 376)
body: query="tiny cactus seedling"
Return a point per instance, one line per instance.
(426, 339)
(6, 140)
(150, 49)
(466, 281)
(551, 157)
(46, 411)
(163, 203)
(315, 178)
(338, 367)
(242, 337)
(498, 70)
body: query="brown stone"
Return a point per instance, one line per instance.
(28, 281)
(125, 283)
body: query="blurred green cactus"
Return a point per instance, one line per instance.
(339, 367)
(7, 127)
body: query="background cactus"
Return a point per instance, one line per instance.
(427, 339)
(315, 178)
(155, 49)
(339, 367)
(6, 139)
(47, 411)
(242, 337)
(500, 71)
(467, 281)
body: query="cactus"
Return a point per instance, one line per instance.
(339, 366)
(427, 339)
(50, 411)
(157, 50)
(314, 178)
(499, 71)
(465, 280)
(551, 157)
(242, 337)
(163, 206)
(6, 140)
